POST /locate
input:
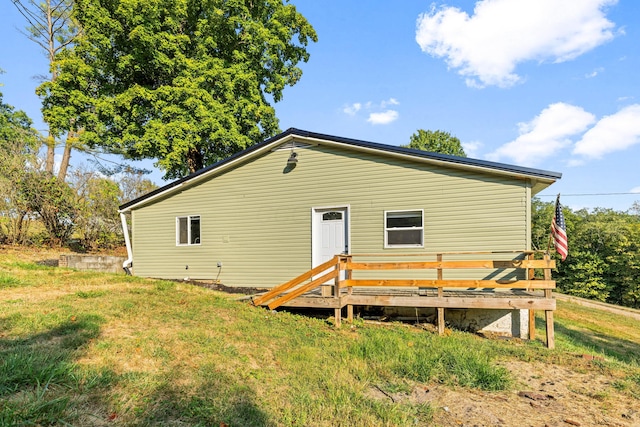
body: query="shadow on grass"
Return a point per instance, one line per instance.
(616, 348)
(37, 372)
(217, 399)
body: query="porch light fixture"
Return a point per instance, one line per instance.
(293, 159)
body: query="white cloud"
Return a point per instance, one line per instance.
(594, 73)
(572, 163)
(352, 109)
(383, 118)
(487, 46)
(616, 132)
(546, 134)
(471, 148)
(391, 101)
(376, 117)
(635, 190)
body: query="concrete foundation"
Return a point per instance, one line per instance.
(101, 263)
(507, 323)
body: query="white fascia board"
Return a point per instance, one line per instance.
(155, 196)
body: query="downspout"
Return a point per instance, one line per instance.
(126, 265)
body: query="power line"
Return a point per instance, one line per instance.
(588, 194)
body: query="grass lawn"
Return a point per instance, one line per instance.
(80, 348)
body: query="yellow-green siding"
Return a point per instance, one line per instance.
(257, 220)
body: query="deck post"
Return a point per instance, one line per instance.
(532, 325)
(336, 293)
(548, 314)
(440, 320)
(439, 273)
(551, 342)
(347, 276)
(440, 295)
(532, 314)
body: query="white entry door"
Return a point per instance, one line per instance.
(330, 234)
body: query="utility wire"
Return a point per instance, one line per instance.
(587, 194)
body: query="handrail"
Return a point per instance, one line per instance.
(506, 284)
(346, 263)
(341, 268)
(333, 262)
(303, 289)
(516, 263)
(412, 254)
(441, 265)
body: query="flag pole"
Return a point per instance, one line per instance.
(551, 231)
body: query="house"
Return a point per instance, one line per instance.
(289, 203)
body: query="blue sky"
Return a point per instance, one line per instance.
(539, 83)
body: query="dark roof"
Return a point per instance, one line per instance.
(357, 143)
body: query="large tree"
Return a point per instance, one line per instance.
(187, 82)
(436, 141)
(50, 26)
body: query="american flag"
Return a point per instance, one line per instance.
(559, 231)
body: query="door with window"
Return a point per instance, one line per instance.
(330, 234)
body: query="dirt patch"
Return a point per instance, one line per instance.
(544, 395)
(223, 288)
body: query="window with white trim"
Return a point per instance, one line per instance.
(188, 230)
(404, 229)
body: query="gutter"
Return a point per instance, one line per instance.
(128, 263)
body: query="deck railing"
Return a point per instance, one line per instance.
(337, 280)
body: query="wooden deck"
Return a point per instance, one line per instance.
(332, 285)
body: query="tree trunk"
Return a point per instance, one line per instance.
(50, 142)
(66, 156)
(194, 160)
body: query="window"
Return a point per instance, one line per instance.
(188, 230)
(332, 216)
(403, 229)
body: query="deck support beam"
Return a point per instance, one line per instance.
(551, 342)
(548, 314)
(337, 297)
(440, 310)
(347, 276)
(440, 321)
(532, 325)
(531, 275)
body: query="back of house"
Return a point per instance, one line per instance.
(283, 206)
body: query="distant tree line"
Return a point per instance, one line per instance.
(604, 252)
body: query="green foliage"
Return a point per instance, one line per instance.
(97, 223)
(437, 142)
(182, 81)
(18, 147)
(604, 252)
(53, 201)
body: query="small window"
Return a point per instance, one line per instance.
(188, 230)
(331, 216)
(403, 229)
